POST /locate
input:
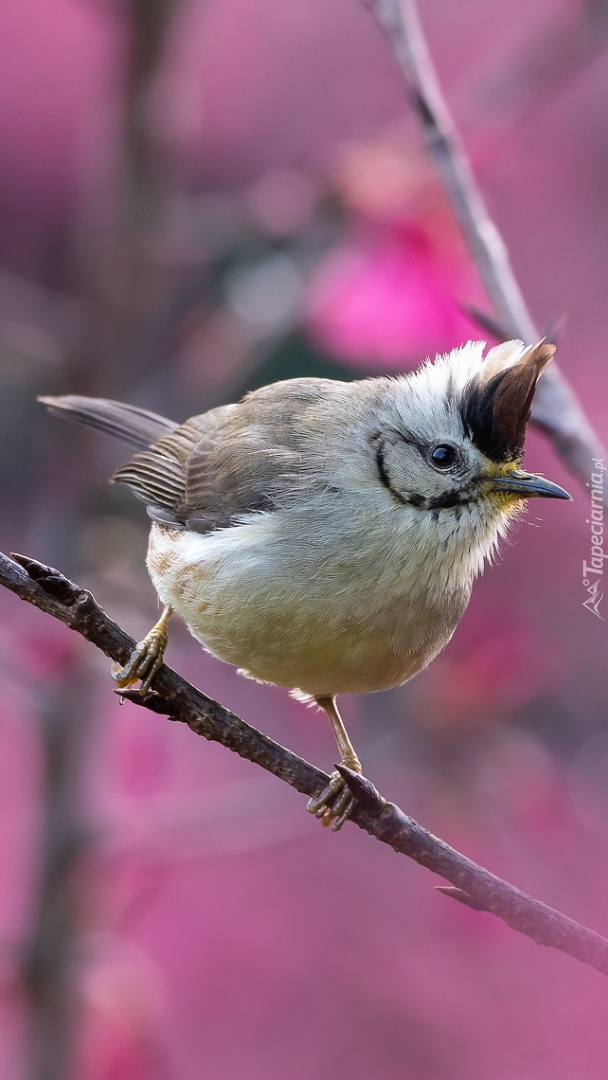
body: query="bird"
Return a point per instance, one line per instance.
(322, 535)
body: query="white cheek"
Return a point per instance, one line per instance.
(464, 541)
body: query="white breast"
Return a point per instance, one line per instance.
(350, 612)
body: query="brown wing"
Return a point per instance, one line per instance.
(158, 475)
(232, 460)
(262, 456)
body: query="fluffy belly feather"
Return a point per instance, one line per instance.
(309, 630)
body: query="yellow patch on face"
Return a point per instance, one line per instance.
(494, 469)
(510, 503)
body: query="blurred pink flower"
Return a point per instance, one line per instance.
(390, 295)
(123, 1031)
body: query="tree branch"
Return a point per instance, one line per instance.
(556, 410)
(54, 594)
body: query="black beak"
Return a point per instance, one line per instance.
(529, 486)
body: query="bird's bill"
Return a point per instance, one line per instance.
(528, 486)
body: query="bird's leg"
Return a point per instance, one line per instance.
(147, 656)
(336, 802)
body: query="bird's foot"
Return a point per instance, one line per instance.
(145, 660)
(336, 802)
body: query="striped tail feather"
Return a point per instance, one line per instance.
(132, 425)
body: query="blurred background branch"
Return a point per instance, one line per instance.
(49, 960)
(556, 409)
(542, 58)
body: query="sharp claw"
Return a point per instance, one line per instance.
(316, 806)
(342, 808)
(338, 822)
(145, 683)
(334, 805)
(144, 662)
(341, 801)
(319, 802)
(122, 676)
(147, 679)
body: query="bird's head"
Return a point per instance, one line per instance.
(451, 442)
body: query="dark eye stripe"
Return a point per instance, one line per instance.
(383, 474)
(455, 497)
(449, 499)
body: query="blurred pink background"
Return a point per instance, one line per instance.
(195, 199)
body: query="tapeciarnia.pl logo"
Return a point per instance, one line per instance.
(593, 571)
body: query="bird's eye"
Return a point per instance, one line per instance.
(443, 456)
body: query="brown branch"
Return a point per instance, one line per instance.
(52, 593)
(556, 409)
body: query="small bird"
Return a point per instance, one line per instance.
(325, 535)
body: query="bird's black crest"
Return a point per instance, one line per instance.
(496, 410)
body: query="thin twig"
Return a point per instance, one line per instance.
(538, 61)
(556, 410)
(52, 593)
